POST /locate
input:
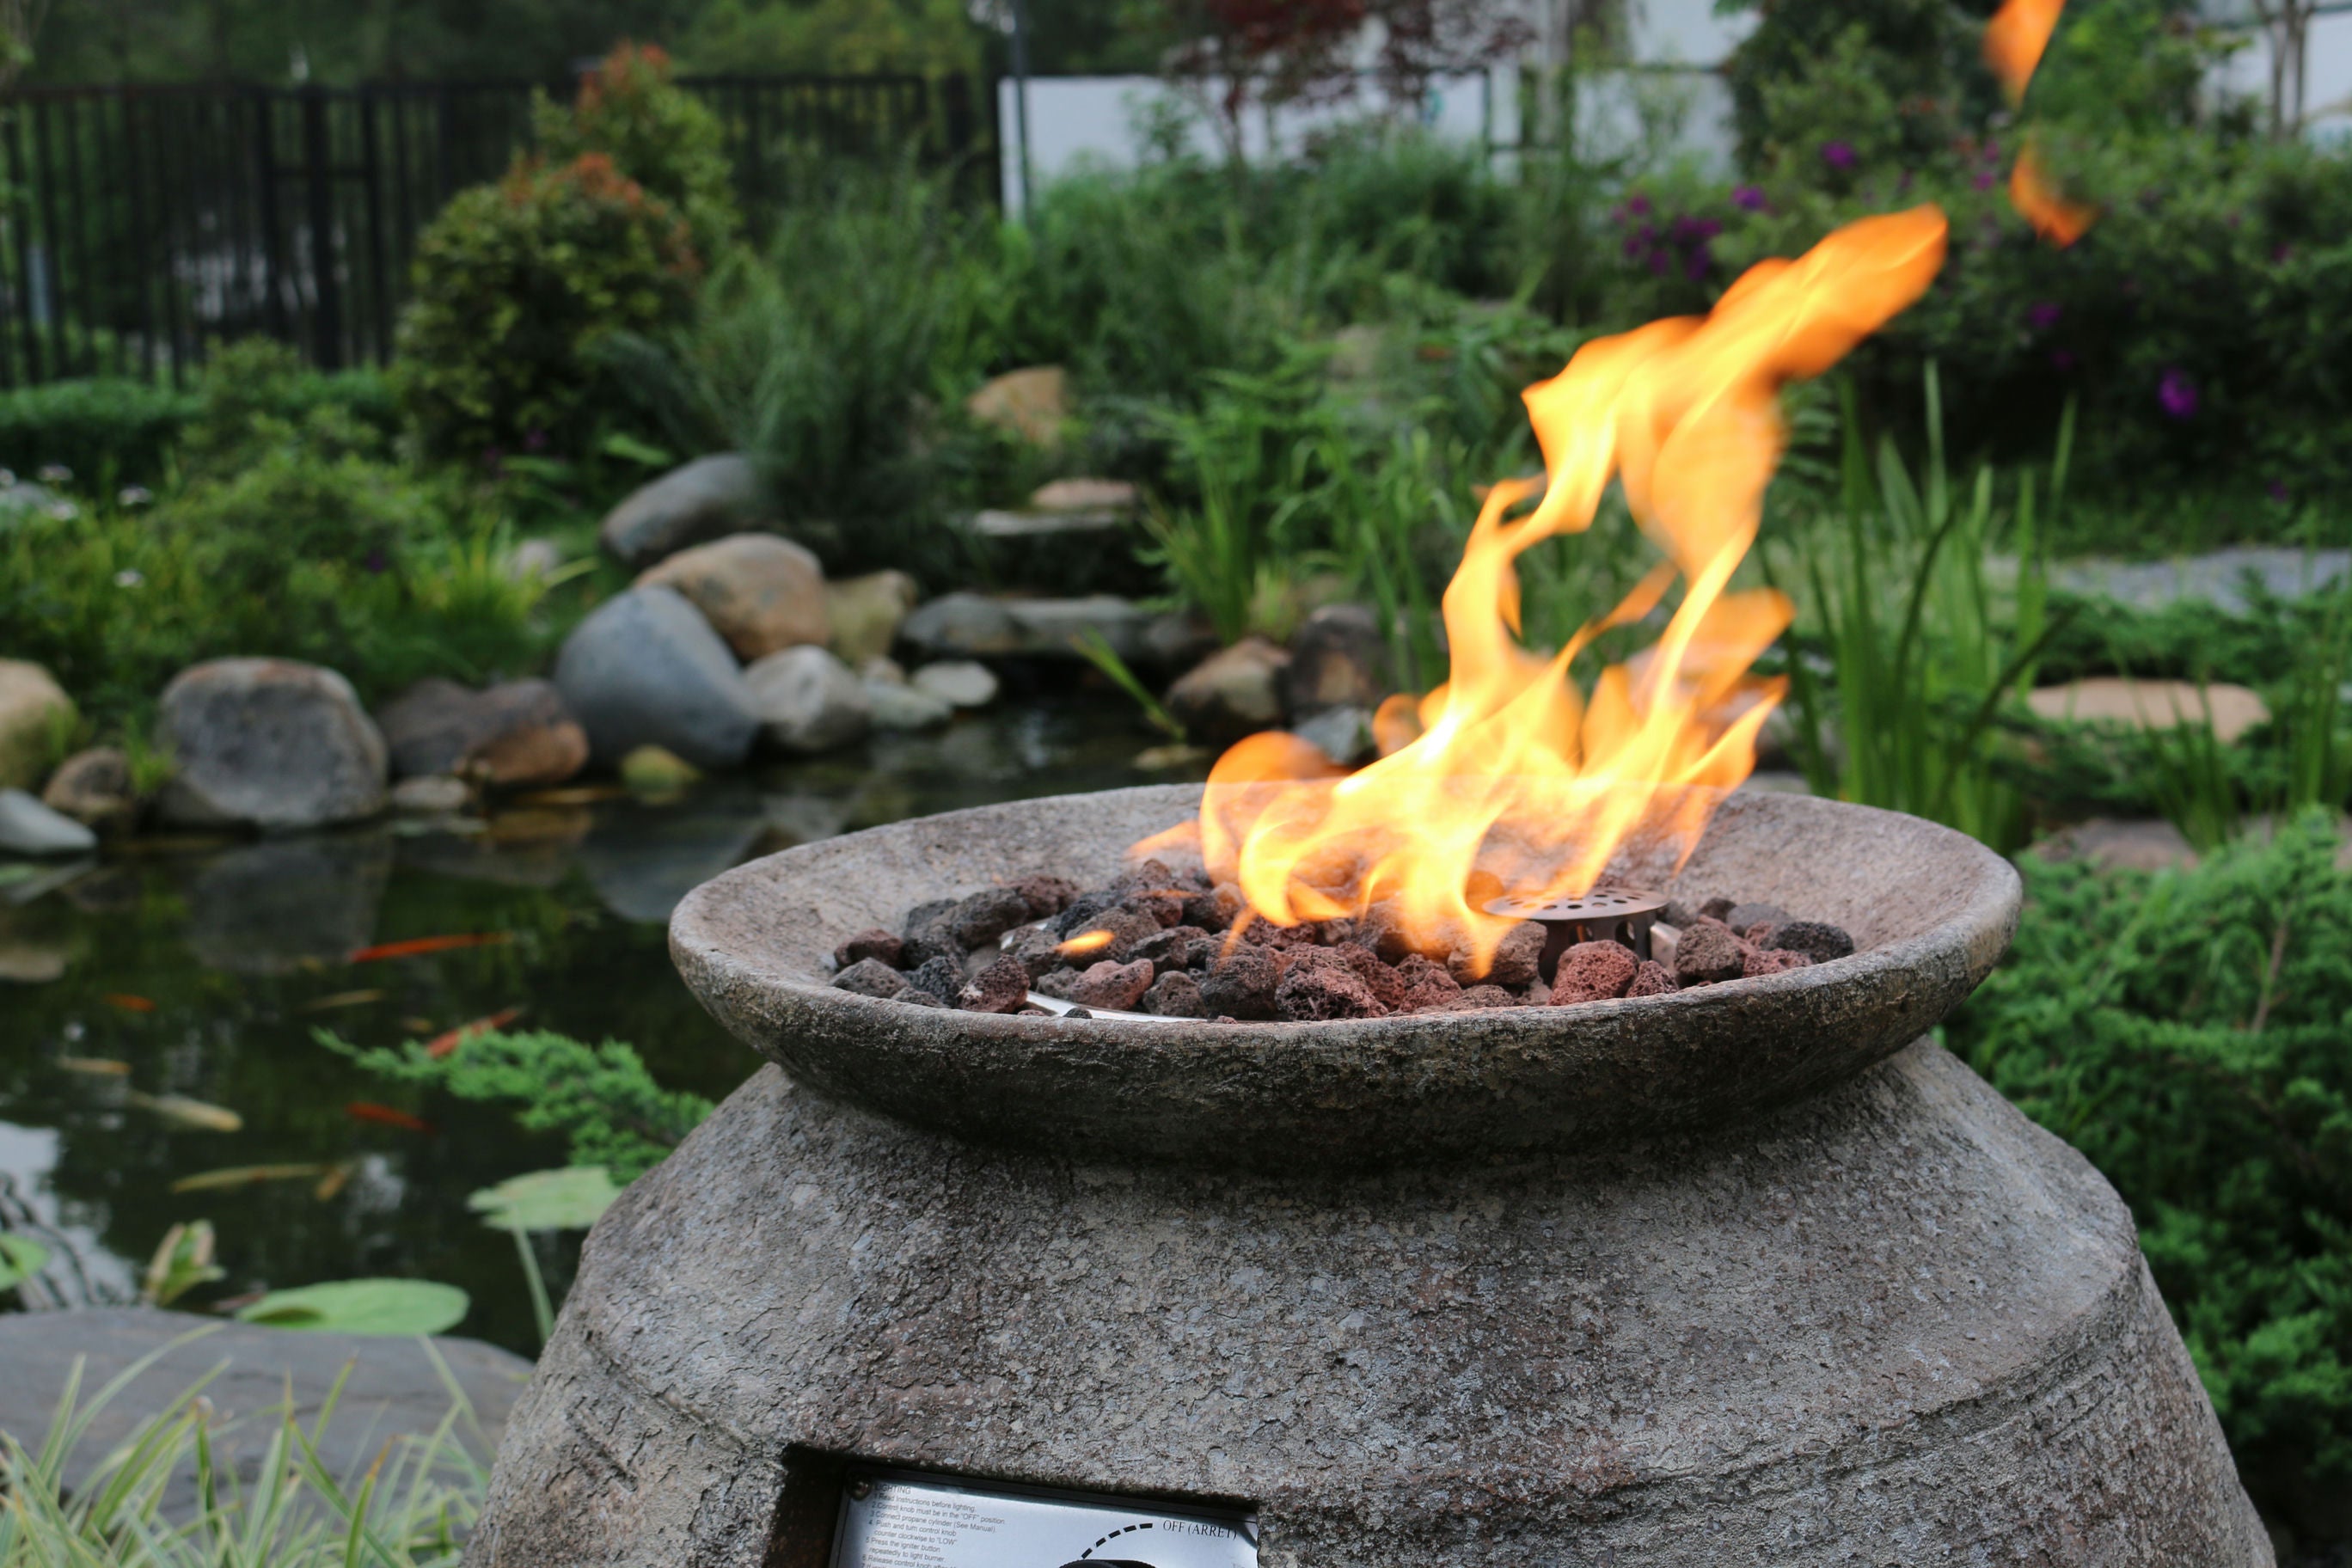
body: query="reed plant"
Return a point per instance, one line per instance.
(410, 1507)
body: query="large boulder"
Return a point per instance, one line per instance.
(95, 788)
(759, 592)
(268, 743)
(1234, 692)
(1338, 660)
(1033, 404)
(866, 612)
(709, 497)
(34, 710)
(809, 700)
(645, 669)
(518, 734)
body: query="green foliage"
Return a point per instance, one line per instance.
(655, 133)
(516, 284)
(1908, 71)
(933, 37)
(397, 1308)
(183, 1261)
(412, 1508)
(600, 1097)
(21, 1258)
(2185, 1031)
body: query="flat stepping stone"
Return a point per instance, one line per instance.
(394, 1388)
(2217, 577)
(2153, 704)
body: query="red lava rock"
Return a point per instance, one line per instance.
(1651, 979)
(977, 922)
(1001, 987)
(1115, 987)
(1478, 996)
(1174, 995)
(1319, 985)
(1593, 972)
(1033, 1013)
(914, 998)
(1045, 896)
(1163, 907)
(1241, 983)
(1709, 953)
(1130, 930)
(1038, 949)
(1202, 911)
(1177, 947)
(878, 944)
(870, 977)
(931, 933)
(1387, 985)
(1758, 962)
(1514, 962)
(1817, 940)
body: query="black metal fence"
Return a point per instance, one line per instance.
(138, 225)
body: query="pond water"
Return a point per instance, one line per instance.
(202, 970)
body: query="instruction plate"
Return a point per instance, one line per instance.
(898, 1521)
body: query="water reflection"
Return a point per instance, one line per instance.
(240, 949)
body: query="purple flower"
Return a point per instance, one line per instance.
(2177, 394)
(1838, 154)
(376, 561)
(1660, 261)
(1638, 205)
(1903, 185)
(1696, 264)
(1695, 231)
(534, 441)
(2276, 490)
(1985, 180)
(2043, 315)
(2062, 359)
(2278, 257)
(1750, 198)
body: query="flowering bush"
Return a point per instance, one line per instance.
(516, 284)
(655, 133)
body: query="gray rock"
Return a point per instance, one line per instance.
(391, 1387)
(706, 498)
(34, 710)
(866, 612)
(973, 625)
(518, 734)
(962, 626)
(268, 743)
(94, 788)
(1342, 734)
(2220, 577)
(285, 905)
(28, 827)
(809, 700)
(958, 682)
(431, 794)
(1234, 692)
(646, 669)
(1338, 660)
(897, 706)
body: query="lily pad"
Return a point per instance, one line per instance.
(393, 1306)
(21, 1258)
(570, 1198)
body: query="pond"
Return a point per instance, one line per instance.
(202, 970)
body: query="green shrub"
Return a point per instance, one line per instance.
(2185, 1032)
(655, 133)
(516, 284)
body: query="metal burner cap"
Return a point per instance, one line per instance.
(1600, 904)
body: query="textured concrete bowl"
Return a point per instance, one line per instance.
(1931, 911)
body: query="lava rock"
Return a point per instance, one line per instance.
(1318, 984)
(270, 743)
(1177, 947)
(1651, 979)
(94, 788)
(1241, 983)
(1709, 953)
(1478, 996)
(978, 920)
(1740, 917)
(870, 977)
(915, 997)
(1039, 951)
(808, 700)
(876, 944)
(1001, 987)
(1514, 962)
(1130, 930)
(33, 708)
(1387, 986)
(1081, 911)
(28, 827)
(1716, 909)
(1234, 692)
(646, 668)
(1756, 962)
(1817, 940)
(931, 933)
(1115, 987)
(705, 499)
(515, 734)
(760, 593)
(1045, 896)
(1593, 972)
(940, 974)
(1174, 995)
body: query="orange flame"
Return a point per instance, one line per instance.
(1084, 942)
(1515, 781)
(2013, 45)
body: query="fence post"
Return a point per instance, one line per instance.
(318, 176)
